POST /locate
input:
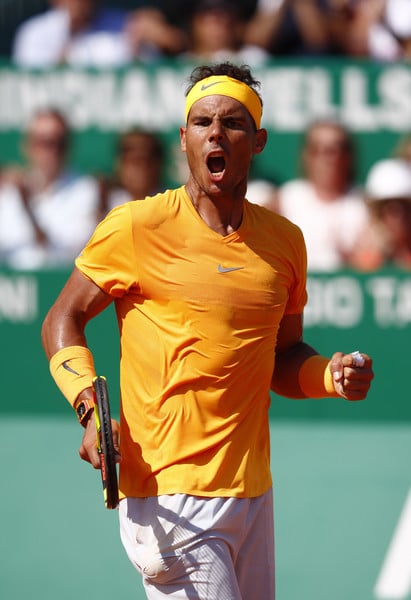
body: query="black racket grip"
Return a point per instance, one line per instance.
(105, 443)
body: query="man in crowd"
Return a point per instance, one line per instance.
(47, 210)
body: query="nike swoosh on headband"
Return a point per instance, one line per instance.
(205, 86)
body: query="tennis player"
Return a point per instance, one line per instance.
(209, 291)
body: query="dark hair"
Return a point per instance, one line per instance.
(334, 123)
(227, 6)
(53, 112)
(135, 137)
(347, 141)
(58, 116)
(242, 73)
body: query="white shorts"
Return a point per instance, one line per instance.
(195, 548)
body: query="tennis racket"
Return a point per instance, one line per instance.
(105, 443)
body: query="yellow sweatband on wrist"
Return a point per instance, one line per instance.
(222, 85)
(315, 378)
(72, 368)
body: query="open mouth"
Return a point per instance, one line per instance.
(216, 164)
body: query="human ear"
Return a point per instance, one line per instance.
(183, 144)
(260, 140)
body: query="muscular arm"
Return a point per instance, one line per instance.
(350, 381)
(79, 301)
(291, 352)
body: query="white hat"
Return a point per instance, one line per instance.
(389, 178)
(398, 17)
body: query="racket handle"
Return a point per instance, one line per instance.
(105, 445)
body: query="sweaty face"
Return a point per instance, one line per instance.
(220, 140)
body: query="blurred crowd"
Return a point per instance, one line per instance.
(103, 33)
(48, 210)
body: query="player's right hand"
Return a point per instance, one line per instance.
(88, 449)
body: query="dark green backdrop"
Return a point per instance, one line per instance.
(346, 311)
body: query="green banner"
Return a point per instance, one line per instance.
(371, 99)
(346, 311)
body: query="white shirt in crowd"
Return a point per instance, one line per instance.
(331, 229)
(66, 212)
(43, 40)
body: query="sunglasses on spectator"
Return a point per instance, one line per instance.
(52, 142)
(337, 148)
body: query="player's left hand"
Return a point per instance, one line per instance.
(352, 376)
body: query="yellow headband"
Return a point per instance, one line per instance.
(221, 85)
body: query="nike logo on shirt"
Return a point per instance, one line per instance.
(222, 269)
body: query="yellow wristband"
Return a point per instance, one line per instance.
(315, 378)
(72, 368)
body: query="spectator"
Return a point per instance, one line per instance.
(290, 27)
(387, 239)
(138, 170)
(381, 30)
(263, 193)
(216, 32)
(83, 33)
(324, 203)
(47, 212)
(152, 36)
(340, 16)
